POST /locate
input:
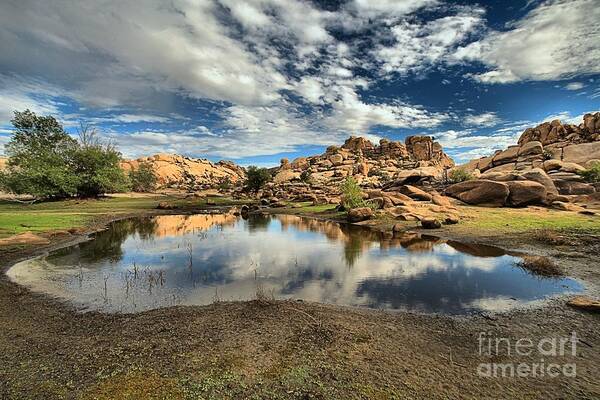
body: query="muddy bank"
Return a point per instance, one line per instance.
(280, 349)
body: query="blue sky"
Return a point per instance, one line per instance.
(254, 81)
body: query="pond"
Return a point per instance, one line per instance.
(145, 263)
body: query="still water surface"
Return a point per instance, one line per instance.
(145, 263)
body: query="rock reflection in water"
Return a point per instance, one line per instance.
(145, 263)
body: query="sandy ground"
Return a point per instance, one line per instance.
(277, 349)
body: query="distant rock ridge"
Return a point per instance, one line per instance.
(180, 172)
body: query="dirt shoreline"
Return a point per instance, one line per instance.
(283, 349)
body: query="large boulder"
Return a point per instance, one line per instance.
(570, 187)
(506, 156)
(531, 148)
(540, 176)
(524, 193)
(300, 163)
(336, 159)
(581, 153)
(354, 143)
(430, 223)
(285, 175)
(415, 193)
(360, 214)
(480, 192)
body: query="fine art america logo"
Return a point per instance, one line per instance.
(544, 357)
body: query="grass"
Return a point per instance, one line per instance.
(60, 215)
(508, 220)
(42, 217)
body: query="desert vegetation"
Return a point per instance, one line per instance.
(592, 174)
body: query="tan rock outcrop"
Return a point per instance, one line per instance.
(386, 164)
(184, 172)
(561, 151)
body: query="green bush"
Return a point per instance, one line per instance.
(45, 162)
(305, 176)
(460, 175)
(143, 178)
(351, 194)
(225, 184)
(592, 174)
(257, 178)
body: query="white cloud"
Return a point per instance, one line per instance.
(387, 8)
(419, 46)
(486, 119)
(574, 86)
(556, 40)
(132, 118)
(18, 95)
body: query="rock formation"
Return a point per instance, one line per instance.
(187, 173)
(551, 154)
(3, 162)
(390, 162)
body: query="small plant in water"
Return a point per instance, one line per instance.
(539, 265)
(262, 296)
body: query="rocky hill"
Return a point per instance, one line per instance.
(389, 163)
(3, 162)
(179, 172)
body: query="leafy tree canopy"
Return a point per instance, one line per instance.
(46, 162)
(257, 177)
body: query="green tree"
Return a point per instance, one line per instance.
(39, 158)
(143, 178)
(351, 194)
(45, 162)
(97, 165)
(257, 177)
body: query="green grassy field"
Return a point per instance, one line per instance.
(525, 219)
(17, 218)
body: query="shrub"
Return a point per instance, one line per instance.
(592, 174)
(305, 176)
(257, 178)
(547, 155)
(143, 178)
(225, 184)
(351, 194)
(460, 174)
